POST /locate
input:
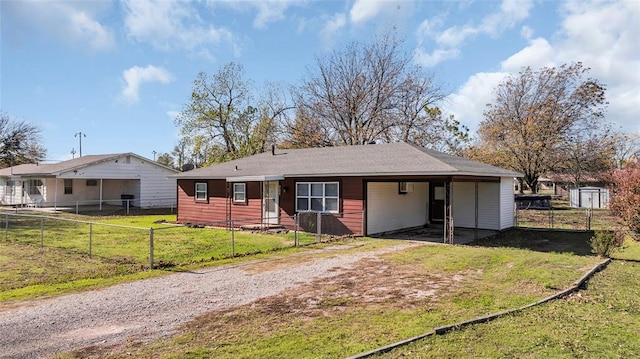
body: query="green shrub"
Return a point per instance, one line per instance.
(604, 243)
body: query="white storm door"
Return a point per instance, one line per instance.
(270, 202)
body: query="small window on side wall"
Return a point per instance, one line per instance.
(240, 193)
(68, 186)
(201, 191)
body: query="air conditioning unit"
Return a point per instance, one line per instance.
(405, 187)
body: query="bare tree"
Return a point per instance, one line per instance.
(365, 93)
(534, 113)
(19, 142)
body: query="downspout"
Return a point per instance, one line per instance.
(100, 194)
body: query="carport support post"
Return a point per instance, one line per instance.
(151, 248)
(448, 214)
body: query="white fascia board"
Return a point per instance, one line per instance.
(255, 178)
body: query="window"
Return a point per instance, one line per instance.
(317, 196)
(68, 186)
(92, 183)
(239, 193)
(201, 191)
(35, 186)
(11, 185)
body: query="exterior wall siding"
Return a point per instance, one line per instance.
(464, 204)
(388, 210)
(507, 203)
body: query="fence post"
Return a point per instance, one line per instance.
(552, 218)
(77, 206)
(233, 239)
(41, 233)
(318, 226)
(90, 237)
(588, 219)
(6, 226)
(295, 230)
(151, 248)
(128, 203)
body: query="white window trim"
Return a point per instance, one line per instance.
(237, 191)
(205, 191)
(324, 197)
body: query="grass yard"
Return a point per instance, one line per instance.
(600, 322)
(405, 294)
(42, 257)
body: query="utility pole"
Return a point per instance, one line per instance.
(73, 153)
(80, 135)
(154, 155)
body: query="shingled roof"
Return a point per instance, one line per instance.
(367, 160)
(53, 169)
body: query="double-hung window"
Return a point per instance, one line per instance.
(201, 191)
(239, 193)
(68, 186)
(317, 196)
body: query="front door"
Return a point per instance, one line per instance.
(270, 205)
(436, 207)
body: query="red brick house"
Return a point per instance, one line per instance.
(369, 189)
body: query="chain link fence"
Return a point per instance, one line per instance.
(565, 218)
(166, 244)
(103, 207)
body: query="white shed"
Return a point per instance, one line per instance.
(90, 180)
(589, 197)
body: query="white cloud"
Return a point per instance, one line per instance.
(69, 21)
(602, 35)
(170, 25)
(136, 76)
(437, 56)
(470, 100)
(364, 10)
(331, 27)
(451, 39)
(269, 11)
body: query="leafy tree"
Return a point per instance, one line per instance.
(625, 197)
(627, 148)
(19, 142)
(224, 120)
(365, 93)
(166, 159)
(537, 115)
(588, 152)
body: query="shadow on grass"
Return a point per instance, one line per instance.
(540, 240)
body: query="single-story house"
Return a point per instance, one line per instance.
(90, 180)
(368, 189)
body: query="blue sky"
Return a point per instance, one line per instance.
(120, 71)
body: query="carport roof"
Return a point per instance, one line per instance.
(391, 159)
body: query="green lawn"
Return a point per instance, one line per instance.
(411, 292)
(43, 256)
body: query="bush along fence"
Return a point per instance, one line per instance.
(562, 218)
(167, 244)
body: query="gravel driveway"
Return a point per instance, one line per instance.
(155, 307)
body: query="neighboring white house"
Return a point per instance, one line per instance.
(90, 180)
